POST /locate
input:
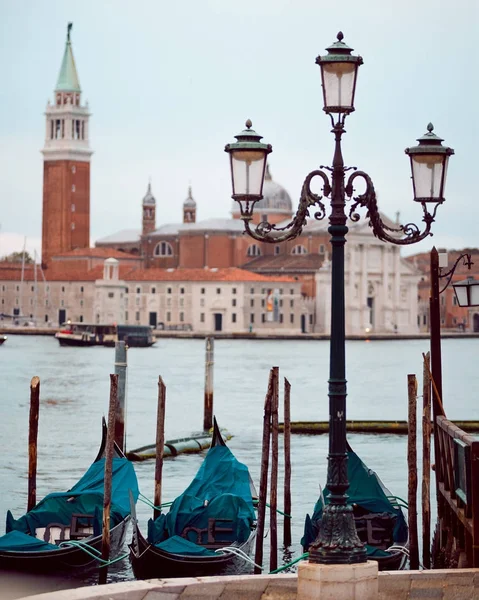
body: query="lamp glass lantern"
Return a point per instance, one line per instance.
(339, 70)
(248, 157)
(467, 292)
(429, 161)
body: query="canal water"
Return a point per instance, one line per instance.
(75, 391)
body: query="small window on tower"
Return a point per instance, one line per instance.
(73, 226)
(73, 208)
(73, 188)
(74, 169)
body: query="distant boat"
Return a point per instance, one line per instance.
(99, 334)
(3, 338)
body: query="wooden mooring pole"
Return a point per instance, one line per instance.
(110, 443)
(121, 364)
(287, 464)
(209, 362)
(412, 469)
(273, 490)
(32, 442)
(426, 465)
(160, 446)
(263, 480)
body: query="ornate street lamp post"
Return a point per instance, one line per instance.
(337, 541)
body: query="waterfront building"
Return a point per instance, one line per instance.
(453, 317)
(381, 288)
(226, 300)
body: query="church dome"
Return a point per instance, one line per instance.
(189, 202)
(275, 198)
(149, 198)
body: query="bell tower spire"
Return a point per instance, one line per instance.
(66, 164)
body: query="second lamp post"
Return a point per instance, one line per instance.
(337, 541)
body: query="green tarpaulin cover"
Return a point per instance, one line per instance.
(366, 491)
(178, 545)
(220, 490)
(85, 497)
(21, 542)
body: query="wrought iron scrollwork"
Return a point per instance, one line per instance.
(466, 261)
(406, 234)
(269, 233)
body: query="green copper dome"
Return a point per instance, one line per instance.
(68, 77)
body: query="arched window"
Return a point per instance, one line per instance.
(254, 250)
(277, 250)
(299, 249)
(163, 249)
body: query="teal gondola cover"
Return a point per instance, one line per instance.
(220, 490)
(21, 542)
(178, 545)
(366, 491)
(85, 497)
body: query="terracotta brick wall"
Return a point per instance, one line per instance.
(66, 207)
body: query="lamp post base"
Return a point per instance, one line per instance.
(338, 582)
(337, 541)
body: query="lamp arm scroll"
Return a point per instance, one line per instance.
(410, 231)
(466, 261)
(266, 232)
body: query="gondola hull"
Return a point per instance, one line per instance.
(380, 524)
(22, 556)
(149, 562)
(66, 558)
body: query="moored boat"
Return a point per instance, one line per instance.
(378, 516)
(52, 536)
(208, 529)
(3, 339)
(100, 334)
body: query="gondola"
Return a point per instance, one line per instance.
(3, 338)
(49, 537)
(379, 519)
(207, 527)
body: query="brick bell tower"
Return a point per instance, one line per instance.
(66, 165)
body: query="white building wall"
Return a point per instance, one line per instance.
(380, 289)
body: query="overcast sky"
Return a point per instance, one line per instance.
(169, 83)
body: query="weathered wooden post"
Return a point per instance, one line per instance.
(110, 442)
(287, 464)
(412, 468)
(121, 364)
(160, 446)
(32, 442)
(263, 479)
(273, 490)
(426, 465)
(209, 362)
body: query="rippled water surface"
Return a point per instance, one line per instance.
(75, 392)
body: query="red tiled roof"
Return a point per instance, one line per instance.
(274, 264)
(226, 274)
(96, 253)
(59, 272)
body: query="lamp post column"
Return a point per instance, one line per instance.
(337, 542)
